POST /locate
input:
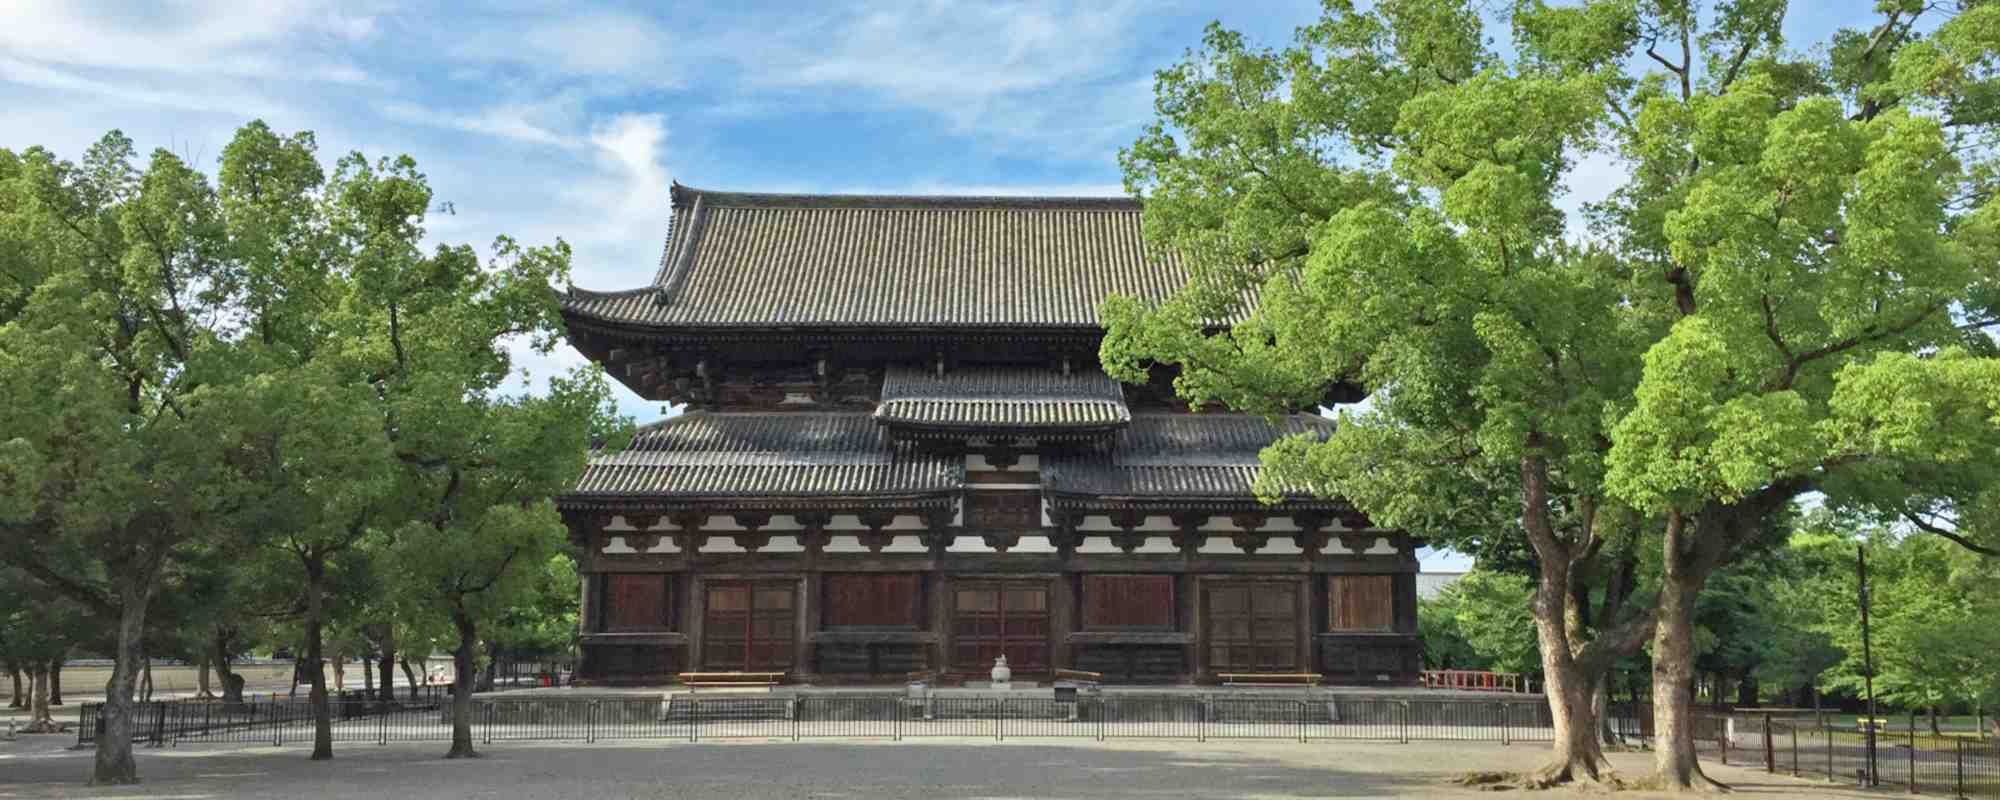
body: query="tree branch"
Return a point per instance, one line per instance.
(1949, 535)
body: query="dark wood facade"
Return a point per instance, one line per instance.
(861, 489)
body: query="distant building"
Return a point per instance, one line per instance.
(900, 455)
(1429, 584)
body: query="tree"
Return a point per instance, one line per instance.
(1791, 293)
(1482, 610)
(35, 631)
(1385, 190)
(476, 466)
(107, 461)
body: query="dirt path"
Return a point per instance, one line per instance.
(956, 768)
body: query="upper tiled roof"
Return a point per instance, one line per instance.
(1188, 456)
(773, 260)
(1001, 397)
(793, 454)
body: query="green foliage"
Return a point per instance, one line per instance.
(1793, 291)
(271, 363)
(1476, 623)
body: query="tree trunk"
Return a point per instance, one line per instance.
(386, 668)
(315, 608)
(1572, 695)
(1673, 675)
(55, 680)
(1600, 708)
(1569, 686)
(18, 699)
(410, 677)
(232, 683)
(489, 675)
(1747, 694)
(367, 678)
(39, 718)
(464, 663)
(1934, 722)
(114, 763)
(201, 678)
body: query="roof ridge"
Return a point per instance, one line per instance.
(683, 195)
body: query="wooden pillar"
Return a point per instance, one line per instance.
(937, 615)
(807, 618)
(1062, 617)
(812, 536)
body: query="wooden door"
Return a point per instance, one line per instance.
(995, 618)
(1252, 626)
(748, 626)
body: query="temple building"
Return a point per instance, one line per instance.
(897, 454)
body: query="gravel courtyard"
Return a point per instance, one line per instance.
(36, 767)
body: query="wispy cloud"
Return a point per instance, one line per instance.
(207, 38)
(1046, 75)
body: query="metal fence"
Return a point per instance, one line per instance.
(1963, 766)
(1905, 760)
(1196, 716)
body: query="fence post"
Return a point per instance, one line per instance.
(902, 708)
(489, 723)
(1000, 722)
(382, 726)
(1727, 728)
(1201, 721)
(1403, 721)
(278, 726)
(1958, 758)
(1829, 753)
(1770, 758)
(694, 718)
(1795, 750)
(1299, 709)
(1913, 752)
(590, 722)
(1103, 711)
(1505, 730)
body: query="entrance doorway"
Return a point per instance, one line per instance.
(749, 626)
(1253, 626)
(995, 618)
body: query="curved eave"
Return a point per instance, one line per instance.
(1080, 500)
(907, 430)
(594, 502)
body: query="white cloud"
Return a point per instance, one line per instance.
(206, 38)
(1052, 76)
(624, 50)
(521, 122)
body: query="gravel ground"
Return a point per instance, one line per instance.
(35, 767)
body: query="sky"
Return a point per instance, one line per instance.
(558, 119)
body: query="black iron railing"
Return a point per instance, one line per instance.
(1962, 766)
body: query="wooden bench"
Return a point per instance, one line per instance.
(1300, 679)
(1079, 676)
(697, 680)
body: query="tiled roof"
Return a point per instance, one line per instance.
(772, 260)
(1001, 397)
(777, 454)
(1189, 456)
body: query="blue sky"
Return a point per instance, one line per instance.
(547, 119)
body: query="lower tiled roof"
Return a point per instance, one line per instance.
(792, 454)
(1182, 456)
(1001, 397)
